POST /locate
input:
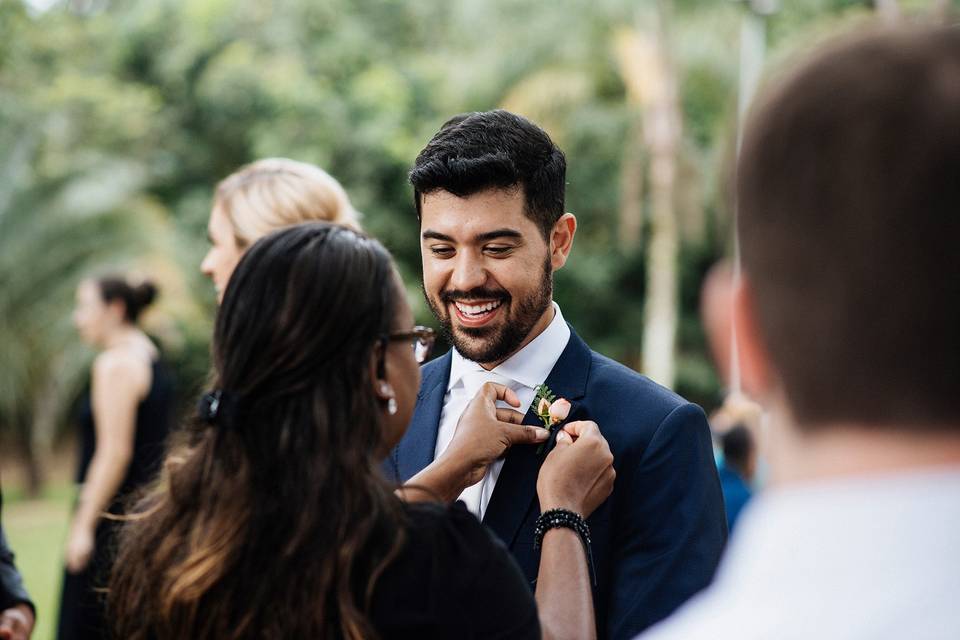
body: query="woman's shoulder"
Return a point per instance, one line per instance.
(122, 371)
(120, 364)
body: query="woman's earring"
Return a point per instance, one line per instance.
(392, 406)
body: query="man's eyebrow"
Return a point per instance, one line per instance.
(435, 235)
(429, 234)
(497, 234)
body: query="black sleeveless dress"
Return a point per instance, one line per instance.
(81, 603)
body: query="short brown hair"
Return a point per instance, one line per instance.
(848, 190)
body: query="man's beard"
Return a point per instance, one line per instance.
(500, 342)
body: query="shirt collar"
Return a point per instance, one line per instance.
(529, 366)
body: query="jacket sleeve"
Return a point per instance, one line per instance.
(11, 585)
(670, 524)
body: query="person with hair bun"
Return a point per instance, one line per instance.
(124, 421)
(264, 196)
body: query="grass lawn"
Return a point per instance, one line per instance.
(36, 530)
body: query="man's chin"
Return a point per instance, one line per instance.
(470, 343)
(483, 345)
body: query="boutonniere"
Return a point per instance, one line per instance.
(550, 409)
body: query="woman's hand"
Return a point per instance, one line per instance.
(578, 474)
(80, 545)
(484, 433)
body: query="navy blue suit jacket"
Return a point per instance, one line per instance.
(658, 538)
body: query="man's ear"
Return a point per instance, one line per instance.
(756, 368)
(561, 239)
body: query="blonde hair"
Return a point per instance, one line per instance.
(272, 193)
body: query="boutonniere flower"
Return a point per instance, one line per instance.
(551, 410)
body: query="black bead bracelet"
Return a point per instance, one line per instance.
(564, 518)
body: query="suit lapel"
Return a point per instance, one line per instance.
(416, 449)
(516, 490)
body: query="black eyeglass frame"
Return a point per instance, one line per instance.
(425, 338)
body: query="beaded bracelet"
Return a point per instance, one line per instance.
(567, 519)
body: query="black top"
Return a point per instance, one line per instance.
(154, 415)
(453, 579)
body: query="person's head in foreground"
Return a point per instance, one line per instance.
(262, 197)
(108, 306)
(849, 218)
(489, 190)
(847, 322)
(276, 521)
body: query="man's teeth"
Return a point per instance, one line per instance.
(477, 309)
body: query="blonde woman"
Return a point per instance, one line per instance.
(264, 196)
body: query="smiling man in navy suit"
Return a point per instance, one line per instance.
(489, 191)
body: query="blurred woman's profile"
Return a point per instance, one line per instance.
(123, 421)
(264, 196)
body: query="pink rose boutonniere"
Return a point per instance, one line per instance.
(551, 410)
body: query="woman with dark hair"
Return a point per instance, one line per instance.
(123, 422)
(275, 520)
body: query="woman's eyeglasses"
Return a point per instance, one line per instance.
(421, 337)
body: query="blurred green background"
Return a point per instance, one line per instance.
(118, 118)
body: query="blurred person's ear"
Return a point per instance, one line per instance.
(725, 305)
(716, 299)
(117, 310)
(756, 372)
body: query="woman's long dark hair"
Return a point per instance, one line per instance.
(274, 522)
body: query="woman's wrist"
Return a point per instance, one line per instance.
(444, 478)
(551, 502)
(565, 520)
(85, 519)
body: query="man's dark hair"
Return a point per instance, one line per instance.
(849, 217)
(474, 152)
(737, 446)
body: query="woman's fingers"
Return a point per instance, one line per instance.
(526, 434)
(581, 428)
(493, 392)
(509, 415)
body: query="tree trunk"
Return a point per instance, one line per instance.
(889, 10)
(28, 457)
(631, 191)
(662, 129)
(660, 311)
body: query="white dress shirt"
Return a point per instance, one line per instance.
(522, 372)
(854, 559)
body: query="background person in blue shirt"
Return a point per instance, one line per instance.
(737, 470)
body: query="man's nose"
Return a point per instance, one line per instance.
(468, 273)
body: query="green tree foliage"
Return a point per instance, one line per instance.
(118, 118)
